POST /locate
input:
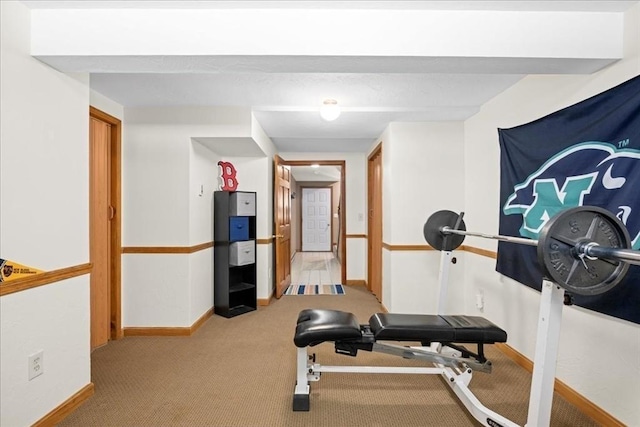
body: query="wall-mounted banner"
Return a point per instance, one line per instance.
(585, 154)
(10, 270)
(228, 181)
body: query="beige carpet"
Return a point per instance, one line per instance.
(241, 372)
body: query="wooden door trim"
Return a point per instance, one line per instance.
(343, 204)
(116, 331)
(281, 226)
(376, 151)
(45, 278)
(167, 249)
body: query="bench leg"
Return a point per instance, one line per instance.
(486, 417)
(301, 392)
(546, 355)
(301, 402)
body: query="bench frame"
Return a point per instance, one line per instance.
(447, 363)
(457, 371)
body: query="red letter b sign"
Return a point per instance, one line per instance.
(228, 176)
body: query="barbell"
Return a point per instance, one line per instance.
(586, 249)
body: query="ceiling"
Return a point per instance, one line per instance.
(318, 173)
(285, 88)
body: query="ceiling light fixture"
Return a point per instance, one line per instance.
(315, 165)
(330, 110)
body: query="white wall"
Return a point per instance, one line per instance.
(355, 203)
(264, 223)
(44, 223)
(155, 212)
(387, 197)
(155, 182)
(356, 259)
(164, 168)
(598, 354)
(423, 172)
(200, 284)
(203, 181)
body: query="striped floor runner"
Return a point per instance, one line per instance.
(315, 290)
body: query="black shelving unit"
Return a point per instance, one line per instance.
(234, 252)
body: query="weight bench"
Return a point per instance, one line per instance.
(440, 337)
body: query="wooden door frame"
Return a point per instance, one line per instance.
(370, 189)
(282, 274)
(115, 329)
(342, 237)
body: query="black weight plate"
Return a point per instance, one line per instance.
(561, 261)
(439, 240)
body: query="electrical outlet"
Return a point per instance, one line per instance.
(36, 364)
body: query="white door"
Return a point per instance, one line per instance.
(316, 219)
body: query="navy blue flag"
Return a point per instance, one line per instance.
(587, 154)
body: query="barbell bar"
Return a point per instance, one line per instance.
(590, 249)
(520, 240)
(586, 249)
(595, 251)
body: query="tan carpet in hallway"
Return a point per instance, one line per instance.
(241, 372)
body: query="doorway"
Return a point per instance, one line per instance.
(104, 226)
(283, 261)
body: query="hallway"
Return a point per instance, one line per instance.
(315, 268)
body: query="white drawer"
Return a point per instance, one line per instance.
(242, 253)
(242, 204)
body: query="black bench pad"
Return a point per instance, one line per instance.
(427, 328)
(316, 326)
